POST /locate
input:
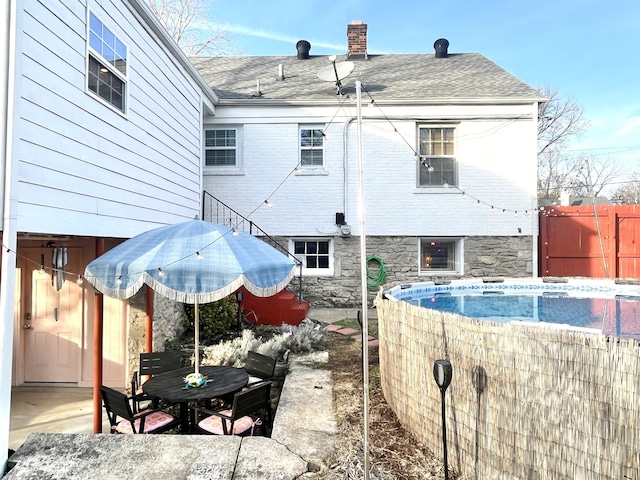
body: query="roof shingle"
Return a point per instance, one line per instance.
(415, 78)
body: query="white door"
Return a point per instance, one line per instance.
(52, 318)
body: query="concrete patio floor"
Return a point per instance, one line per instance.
(50, 409)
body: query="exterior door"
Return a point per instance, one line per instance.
(52, 318)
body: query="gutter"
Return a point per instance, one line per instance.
(142, 10)
(390, 102)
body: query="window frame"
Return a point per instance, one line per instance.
(108, 69)
(315, 272)
(446, 165)
(313, 147)
(455, 266)
(223, 169)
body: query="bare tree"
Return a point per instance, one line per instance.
(188, 24)
(629, 191)
(593, 176)
(559, 121)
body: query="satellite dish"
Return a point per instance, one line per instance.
(336, 72)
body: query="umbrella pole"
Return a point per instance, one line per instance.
(196, 328)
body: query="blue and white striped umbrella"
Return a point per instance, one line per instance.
(191, 262)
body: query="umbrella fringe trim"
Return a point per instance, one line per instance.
(118, 293)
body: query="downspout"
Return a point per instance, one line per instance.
(345, 155)
(535, 217)
(9, 233)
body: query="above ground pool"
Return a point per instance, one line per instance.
(606, 306)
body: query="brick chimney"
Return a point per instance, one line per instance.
(357, 39)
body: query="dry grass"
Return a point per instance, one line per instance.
(393, 452)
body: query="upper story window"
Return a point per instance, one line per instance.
(316, 256)
(311, 146)
(221, 147)
(107, 64)
(437, 166)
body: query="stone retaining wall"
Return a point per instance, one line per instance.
(483, 256)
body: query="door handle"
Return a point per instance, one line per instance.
(27, 326)
(27, 323)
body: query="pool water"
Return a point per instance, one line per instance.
(610, 310)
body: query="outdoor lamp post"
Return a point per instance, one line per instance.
(442, 372)
(239, 297)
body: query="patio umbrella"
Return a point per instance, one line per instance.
(192, 262)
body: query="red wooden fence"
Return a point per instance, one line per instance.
(590, 241)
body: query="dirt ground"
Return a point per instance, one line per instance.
(393, 452)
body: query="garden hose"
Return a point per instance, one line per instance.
(375, 276)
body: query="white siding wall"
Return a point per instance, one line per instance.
(496, 164)
(85, 169)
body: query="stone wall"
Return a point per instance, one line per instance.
(483, 257)
(167, 325)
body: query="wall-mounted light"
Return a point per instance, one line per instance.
(345, 230)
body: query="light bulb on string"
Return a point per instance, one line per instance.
(199, 256)
(119, 280)
(235, 232)
(268, 203)
(445, 184)
(79, 281)
(160, 272)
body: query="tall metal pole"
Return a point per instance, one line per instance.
(363, 284)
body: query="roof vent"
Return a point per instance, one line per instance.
(442, 48)
(303, 48)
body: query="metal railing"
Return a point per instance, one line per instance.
(216, 211)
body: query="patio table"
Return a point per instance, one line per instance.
(170, 386)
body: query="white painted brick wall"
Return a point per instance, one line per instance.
(496, 161)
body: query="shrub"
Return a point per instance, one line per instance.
(215, 318)
(307, 337)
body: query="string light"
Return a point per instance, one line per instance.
(119, 280)
(199, 256)
(429, 167)
(268, 203)
(79, 280)
(160, 272)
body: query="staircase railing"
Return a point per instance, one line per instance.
(216, 211)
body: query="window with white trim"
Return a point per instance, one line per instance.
(221, 147)
(311, 146)
(441, 255)
(106, 65)
(436, 148)
(316, 255)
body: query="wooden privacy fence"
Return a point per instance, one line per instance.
(526, 402)
(588, 241)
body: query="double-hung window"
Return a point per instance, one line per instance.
(106, 65)
(221, 147)
(437, 166)
(440, 255)
(316, 256)
(311, 146)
